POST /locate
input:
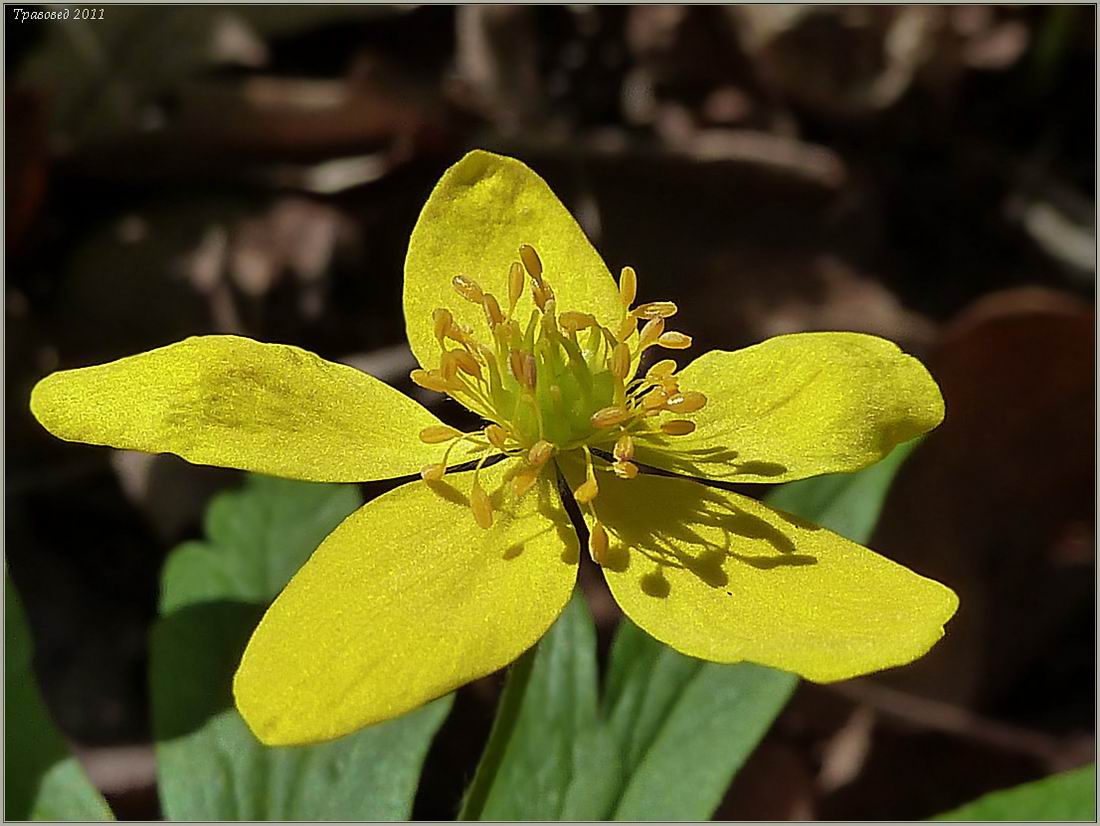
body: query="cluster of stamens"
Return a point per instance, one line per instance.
(559, 382)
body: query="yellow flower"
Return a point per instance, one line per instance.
(511, 312)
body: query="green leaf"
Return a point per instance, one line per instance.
(42, 780)
(671, 731)
(847, 503)
(209, 765)
(548, 757)
(1067, 796)
(684, 726)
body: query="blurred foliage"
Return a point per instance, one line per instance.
(209, 765)
(1067, 796)
(42, 779)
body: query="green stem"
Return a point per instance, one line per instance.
(511, 701)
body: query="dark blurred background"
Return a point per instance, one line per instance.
(921, 173)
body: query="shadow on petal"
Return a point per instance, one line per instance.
(680, 524)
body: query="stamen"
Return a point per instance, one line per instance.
(441, 323)
(627, 327)
(531, 261)
(515, 285)
(524, 368)
(678, 427)
(609, 416)
(435, 382)
(467, 288)
(654, 399)
(674, 341)
(572, 321)
(541, 295)
(481, 506)
(598, 544)
(688, 402)
(523, 481)
(493, 315)
(651, 332)
(656, 309)
(479, 500)
(624, 448)
(620, 361)
(466, 363)
(496, 435)
(625, 470)
(540, 451)
(661, 370)
(448, 366)
(433, 473)
(628, 288)
(588, 489)
(462, 335)
(437, 434)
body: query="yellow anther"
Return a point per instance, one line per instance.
(674, 341)
(448, 366)
(540, 451)
(571, 321)
(661, 370)
(465, 362)
(610, 416)
(654, 399)
(624, 448)
(441, 323)
(433, 473)
(651, 332)
(620, 361)
(586, 491)
(627, 327)
(434, 381)
(493, 315)
(515, 285)
(625, 470)
(628, 287)
(523, 481)
(678, 427)
(515, 361)
(656, 309)
(530, 372)
(497, 436)
(437, 434)
(467, 288)
(524, 368)
(531, 261)
(481, 506)
(542, 295)
(463, 335)
(598, 544)
(688, 402)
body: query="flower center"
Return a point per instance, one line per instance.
(556, 381)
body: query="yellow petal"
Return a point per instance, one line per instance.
(477, 217)
(797, 406)
(724, 578)
(406, 600)
(231, 401)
